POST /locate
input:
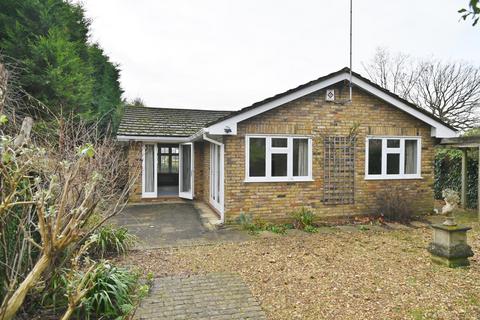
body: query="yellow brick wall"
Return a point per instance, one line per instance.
(199, 169)
(312, 115)
(135, 165)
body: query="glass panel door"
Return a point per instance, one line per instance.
(149, 171)
(216, 177)
(186, 171)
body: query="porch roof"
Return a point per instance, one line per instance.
(462, 142)
(166, 122)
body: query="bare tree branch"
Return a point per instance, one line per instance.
(449, 90)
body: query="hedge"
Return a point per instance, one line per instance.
(448, 173)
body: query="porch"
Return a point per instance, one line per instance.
(176, 170)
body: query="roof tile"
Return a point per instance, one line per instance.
(145, 121)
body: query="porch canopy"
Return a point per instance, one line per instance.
(465, 143)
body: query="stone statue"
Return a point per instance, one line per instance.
(449, 246)
(451, 199)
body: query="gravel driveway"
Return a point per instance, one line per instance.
(363, 274)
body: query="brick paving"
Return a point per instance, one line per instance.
(210, 296)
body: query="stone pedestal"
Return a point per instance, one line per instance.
(449, 246)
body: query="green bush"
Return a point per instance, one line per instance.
(111, 240)
(276, 228)
(54, 295)
(112, 295)
(448, 174)
(12, 239)
(310, 229)
(303, 218)
(113, 292)
(246, 223)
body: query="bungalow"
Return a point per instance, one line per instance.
(309, 146)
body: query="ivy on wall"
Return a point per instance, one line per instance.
(448, 173)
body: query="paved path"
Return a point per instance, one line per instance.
(211, 296)
(171, 224)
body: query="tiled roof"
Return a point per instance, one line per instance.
(144, 121)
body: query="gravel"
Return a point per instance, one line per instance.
(345, 274)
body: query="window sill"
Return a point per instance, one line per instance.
(394, 178)
(278, 180)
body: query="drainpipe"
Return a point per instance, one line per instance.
(222, 175)
(351, 5)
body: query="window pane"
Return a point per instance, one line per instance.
(186, 168)
(164, 150)
(393, 163)
(174, 150)
(174, 168)
(149, 168)
(164, 165)
(411, 157)
(393, 143)
(279, 165)
(279, 142)
(300, 157)
(374, 156)
(257, 157)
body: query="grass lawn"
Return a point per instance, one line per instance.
(344, 274)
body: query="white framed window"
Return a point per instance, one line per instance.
(149, 170)
(275, 158)
(393, 157)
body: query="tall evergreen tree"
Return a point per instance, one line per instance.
(48, 39)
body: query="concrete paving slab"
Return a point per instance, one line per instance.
(169, 224)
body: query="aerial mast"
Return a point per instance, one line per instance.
(350, 50)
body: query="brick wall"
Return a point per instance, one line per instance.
(199, 169)
(312, 115)
(135, 166)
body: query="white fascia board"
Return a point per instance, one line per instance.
(153, 139)
(197, 135)
(439, 130)
(206, 138)
(219, 128)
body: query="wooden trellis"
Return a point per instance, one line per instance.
(339, 170)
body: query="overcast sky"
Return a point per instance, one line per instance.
(222, 54)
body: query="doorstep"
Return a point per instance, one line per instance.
(210, 219)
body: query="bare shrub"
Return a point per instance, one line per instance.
(393, 206)
(51, 187)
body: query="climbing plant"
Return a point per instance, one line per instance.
(448, 174)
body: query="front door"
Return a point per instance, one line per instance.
(186, 171)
